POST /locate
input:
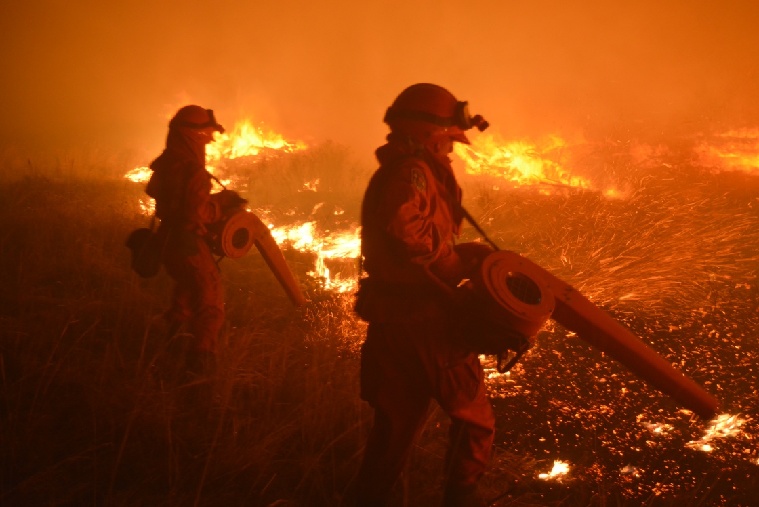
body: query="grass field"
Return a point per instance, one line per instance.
(93, 413)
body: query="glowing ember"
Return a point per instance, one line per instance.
(721, 427)
(147, 206)
(659, 429)
(311, 186)
(630, 471)
(559, 469)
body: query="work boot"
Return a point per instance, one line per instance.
(463, 496)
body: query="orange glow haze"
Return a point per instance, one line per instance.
(108, 75)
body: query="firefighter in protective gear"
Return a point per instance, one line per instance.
(185, 206)
(411, 215)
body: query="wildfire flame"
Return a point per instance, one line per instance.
(546, 165)
(341, 245)
(248, 140)
(520, 162)
(658, 429)
(139, 174)
(245, 140)
(731, 150)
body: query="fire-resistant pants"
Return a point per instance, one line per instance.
(403, 367)
(198, 297)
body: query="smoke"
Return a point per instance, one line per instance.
(109, 74)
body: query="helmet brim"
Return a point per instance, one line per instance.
(460, 136)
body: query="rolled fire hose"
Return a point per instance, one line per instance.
(240, 232)
(523, 295)
(516, 297)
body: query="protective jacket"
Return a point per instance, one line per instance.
(411, 216)
(181, 188)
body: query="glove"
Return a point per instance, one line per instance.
(460, 263)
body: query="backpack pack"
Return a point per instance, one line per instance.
(146, 247)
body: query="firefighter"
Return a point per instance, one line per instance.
(411, 215)
(185, 206)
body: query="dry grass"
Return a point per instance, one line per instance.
(92, 411)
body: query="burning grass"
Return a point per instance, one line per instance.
(92, 411)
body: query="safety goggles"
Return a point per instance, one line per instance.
(461, 118)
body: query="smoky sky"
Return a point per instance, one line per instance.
(108, 75)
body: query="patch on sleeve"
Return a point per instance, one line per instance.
(418, 180)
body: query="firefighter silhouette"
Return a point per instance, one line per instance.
(411, 215)
(185, 206)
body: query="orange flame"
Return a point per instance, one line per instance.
(139, 174)
(245, 140)
(341, 245)
(736, 150)
(520, 162)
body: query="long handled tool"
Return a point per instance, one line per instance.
(527, 294)
(235, 237)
